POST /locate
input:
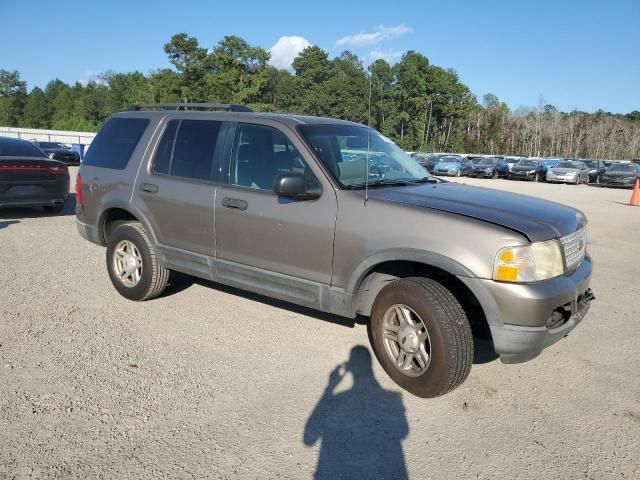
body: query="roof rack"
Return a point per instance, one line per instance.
(229, 107)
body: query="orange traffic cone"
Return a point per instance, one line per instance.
(635, 196)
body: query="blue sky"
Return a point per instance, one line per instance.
(581, 54)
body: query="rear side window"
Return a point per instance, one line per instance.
(115, 143)
(187, 149)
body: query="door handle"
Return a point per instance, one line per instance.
(235, 203)
(149, 187)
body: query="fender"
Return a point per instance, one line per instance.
(365, 293)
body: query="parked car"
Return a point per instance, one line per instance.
(596, 169)
(453, 166)
(568, 171)
(621, 175)
(29, 178)
(59, 151)
(490, 167)
(527, 169)
(429, 262)
(428, 161)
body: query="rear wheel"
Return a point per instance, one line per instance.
(536, 177)
(132, 263)
(421, 336)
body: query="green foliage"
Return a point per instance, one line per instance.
(418, 105)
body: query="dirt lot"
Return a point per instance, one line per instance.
(208, 381)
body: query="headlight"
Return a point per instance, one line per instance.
(531, 263)
(51, 154)
(531, 171)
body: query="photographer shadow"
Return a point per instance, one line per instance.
(361, 429)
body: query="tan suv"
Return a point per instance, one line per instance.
(332, 215)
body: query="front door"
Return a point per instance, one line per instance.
(261, 237)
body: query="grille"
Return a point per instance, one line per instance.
(575, 247)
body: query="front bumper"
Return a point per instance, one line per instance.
(617, 183)
(445, 174)
(519, 315)
(561, 179)
(481, 174)
(522, 175)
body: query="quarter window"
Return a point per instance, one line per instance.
(115, 143)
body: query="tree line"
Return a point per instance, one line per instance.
(419, 105)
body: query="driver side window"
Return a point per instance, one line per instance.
(261, 154)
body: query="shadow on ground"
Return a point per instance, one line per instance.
(360, 430)
(38, 212)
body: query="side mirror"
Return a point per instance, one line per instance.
(294, 185)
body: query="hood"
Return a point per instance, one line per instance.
(448, 165)
(484, 167)
(564, 170)
(536, 219)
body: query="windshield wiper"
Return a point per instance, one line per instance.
(379, 182)
(392, 182)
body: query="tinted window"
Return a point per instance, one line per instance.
(115, 143)
(10, 147)
(194, 148)
(162, 158)
(260, 155)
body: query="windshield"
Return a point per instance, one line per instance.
(450, 159)
(488, 161)
(624, 168)
(19, 148)
(591, 163)
(527, 163)
(344, 150)
(550, 163)
(568, 165)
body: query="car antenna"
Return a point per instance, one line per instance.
(366, 180)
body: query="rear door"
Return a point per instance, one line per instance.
(175, 190)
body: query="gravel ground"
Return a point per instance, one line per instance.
(209, 381)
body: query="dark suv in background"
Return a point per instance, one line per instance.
(287, 206)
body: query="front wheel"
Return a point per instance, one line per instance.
(132, 263)
(421, 336)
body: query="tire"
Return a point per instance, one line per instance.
(458, 173)
(53, 208)
(495, 174)
(449, 338)
(152, 278)
(536, 177)
(509, 177)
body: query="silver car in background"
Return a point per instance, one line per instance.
(569, 171)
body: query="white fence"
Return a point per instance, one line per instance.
(62, 136)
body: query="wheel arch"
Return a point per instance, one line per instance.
(116, 213)
(381, 268)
